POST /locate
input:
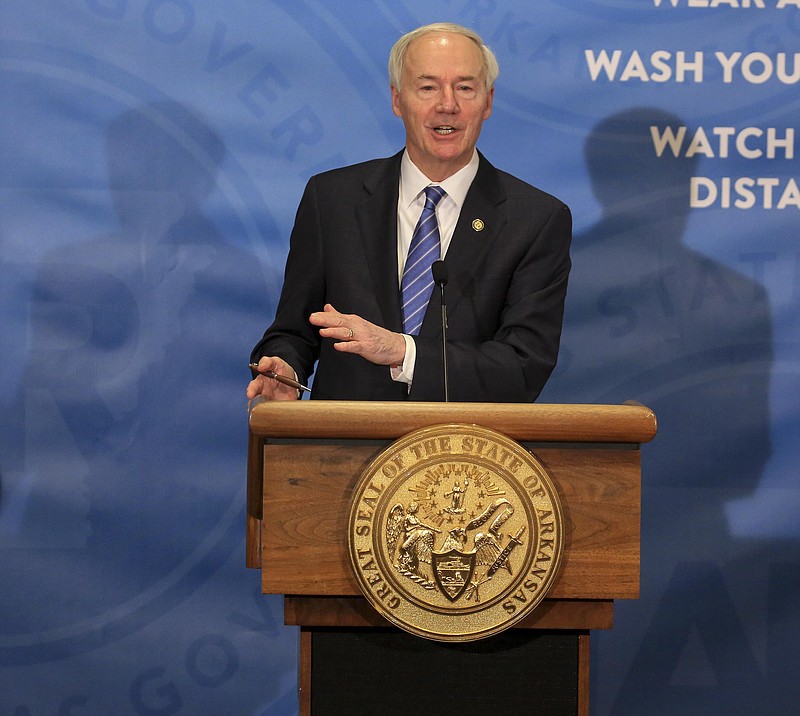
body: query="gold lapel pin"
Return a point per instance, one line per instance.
(478, 225)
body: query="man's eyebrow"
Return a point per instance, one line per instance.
(462, 78)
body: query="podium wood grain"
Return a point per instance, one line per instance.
(304, 467)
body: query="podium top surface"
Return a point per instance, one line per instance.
(307, 419)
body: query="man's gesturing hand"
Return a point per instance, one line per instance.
(355, 335)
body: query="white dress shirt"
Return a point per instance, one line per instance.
(410, 202)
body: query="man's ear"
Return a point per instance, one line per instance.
(488, 111)
(396, 101)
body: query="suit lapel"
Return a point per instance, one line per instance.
(479, 224)
(377, 221)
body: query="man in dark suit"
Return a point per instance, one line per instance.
(505, 245)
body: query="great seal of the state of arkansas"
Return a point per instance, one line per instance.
(455, 532)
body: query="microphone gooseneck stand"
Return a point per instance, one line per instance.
(439, 269)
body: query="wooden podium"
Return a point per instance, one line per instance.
(304, 461)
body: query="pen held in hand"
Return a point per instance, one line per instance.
(291, 382)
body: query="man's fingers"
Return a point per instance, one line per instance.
(339, 326)
(353, 334)
(268, 387)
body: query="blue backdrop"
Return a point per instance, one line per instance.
(153, 154)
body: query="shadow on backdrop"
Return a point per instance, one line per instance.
(132, 408)
(649, 318)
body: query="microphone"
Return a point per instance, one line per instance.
(439, 269)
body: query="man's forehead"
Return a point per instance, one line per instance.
(444, 55)
(444, 44)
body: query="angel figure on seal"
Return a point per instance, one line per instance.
(418, 539)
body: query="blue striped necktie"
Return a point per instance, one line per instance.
(417, 283)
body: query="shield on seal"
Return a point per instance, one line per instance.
(453, 571)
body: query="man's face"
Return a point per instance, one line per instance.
(443, 102)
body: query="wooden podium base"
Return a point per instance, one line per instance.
(352, 661)
(387, 671)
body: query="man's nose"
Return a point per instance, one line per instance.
(447, 101)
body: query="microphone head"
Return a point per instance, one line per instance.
(439, 269)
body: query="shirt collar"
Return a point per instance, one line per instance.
(413, 181)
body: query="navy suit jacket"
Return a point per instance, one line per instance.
(508, 264)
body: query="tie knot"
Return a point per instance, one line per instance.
(434, 194)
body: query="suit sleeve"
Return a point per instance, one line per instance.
(504, 332)
(291, 336)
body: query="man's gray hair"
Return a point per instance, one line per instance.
(397, 55)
